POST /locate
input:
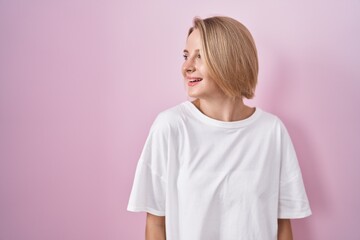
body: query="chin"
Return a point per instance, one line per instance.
(192, 95)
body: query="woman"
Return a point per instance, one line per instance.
(215, 168)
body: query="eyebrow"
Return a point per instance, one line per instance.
(196, 50)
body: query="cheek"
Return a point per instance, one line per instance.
(210, 81)
(204, 72)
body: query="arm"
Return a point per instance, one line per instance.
(155, 227)
(284, 229)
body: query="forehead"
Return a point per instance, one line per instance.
(193, 41)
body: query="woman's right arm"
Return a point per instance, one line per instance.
(155, 227)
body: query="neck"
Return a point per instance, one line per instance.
(226, 110)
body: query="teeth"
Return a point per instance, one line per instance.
(196, 80)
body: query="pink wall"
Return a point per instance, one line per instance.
(81, 82)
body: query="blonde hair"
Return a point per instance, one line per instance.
(230, 54)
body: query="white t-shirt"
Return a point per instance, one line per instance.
(217, 180)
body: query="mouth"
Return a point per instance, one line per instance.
(192, 80)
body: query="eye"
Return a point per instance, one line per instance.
(185, 57)
(198, 56)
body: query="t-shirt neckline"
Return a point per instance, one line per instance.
(211, 121)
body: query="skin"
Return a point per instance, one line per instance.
(284, 229)
(211, 101)
(155, 227)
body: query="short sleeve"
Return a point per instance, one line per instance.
(149, 186)
(293, 201)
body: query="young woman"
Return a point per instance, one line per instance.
(215, 168)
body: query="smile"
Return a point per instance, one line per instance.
(196, 80)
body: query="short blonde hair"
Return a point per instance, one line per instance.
(230, 54)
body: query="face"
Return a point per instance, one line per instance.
(195, 72)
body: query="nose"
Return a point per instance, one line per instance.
(189, 66)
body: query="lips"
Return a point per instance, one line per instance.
(196, 80)
(193, 81)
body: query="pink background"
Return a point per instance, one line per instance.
(82, 81)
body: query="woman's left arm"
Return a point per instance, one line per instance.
(284, 229)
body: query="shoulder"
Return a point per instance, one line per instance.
(269, 119)
(169, 118)
(272, 122)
